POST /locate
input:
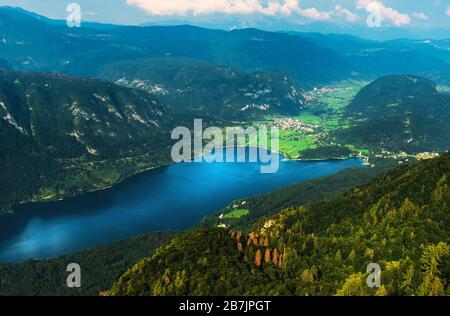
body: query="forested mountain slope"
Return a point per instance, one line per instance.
(204, 89)
(72, 134)
(400, 221)
(390, 95)
(399, 112)
(101, 266)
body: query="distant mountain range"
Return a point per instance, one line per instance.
(281, 24)
(33, 43)
(389, 57)
(207, 90)
(400, 112)
(384, 33)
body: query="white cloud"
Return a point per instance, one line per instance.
(204, 7)
(385, 13)
(448, 10)
(420, 16)
(201, 7)
(314, 14)
(349, 16)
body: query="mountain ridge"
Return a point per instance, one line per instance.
(204, 89)
(77, 50)
(399, 113)
(309, 58)
(57, 133)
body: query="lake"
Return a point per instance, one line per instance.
(172, 197)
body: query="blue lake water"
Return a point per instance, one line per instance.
(173, 197)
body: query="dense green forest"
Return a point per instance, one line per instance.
(326, 151)
(100, 267)
(399, 113)
(400, 220)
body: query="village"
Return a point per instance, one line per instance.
(405, 156)
(291, 124)
(312, 95)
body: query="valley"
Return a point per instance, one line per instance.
(88, 173)
(321, 129)
(312, 134)
(323, 114)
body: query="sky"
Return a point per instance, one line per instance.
(414, 14)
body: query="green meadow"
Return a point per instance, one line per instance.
(237, 214)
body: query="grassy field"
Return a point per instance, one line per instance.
(326, 112)
(237, 214)
(309, 118)
(333, 103)
(291, 143)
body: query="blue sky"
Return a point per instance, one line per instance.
(399, 13)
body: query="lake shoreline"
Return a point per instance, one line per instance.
(81, 193)
(144, 203)
(138, 173)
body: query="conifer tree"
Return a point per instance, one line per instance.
(267, 256)
(258, 258)
(275, 258)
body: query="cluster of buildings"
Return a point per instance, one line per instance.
(406, 156)
(312, 95)
(330, 90)
(292, 125)
(427, 155)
